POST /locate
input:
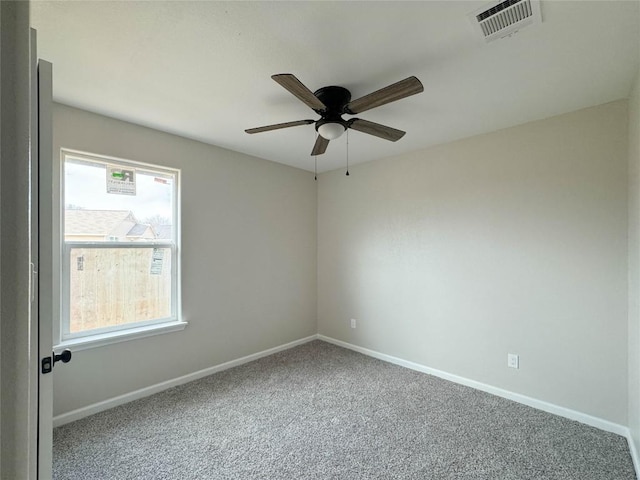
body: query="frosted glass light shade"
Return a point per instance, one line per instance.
(331, 130)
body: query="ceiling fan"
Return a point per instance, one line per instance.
(333, 102)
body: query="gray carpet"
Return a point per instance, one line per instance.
(322, 412)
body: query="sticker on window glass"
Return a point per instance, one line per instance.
(121, 181)
(156, 261)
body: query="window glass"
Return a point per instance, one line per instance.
(116, 202)
(120, 245)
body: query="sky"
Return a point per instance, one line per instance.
(85, 186)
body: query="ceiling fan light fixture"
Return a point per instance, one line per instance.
(331, 130)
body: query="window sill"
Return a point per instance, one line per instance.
(110, 338)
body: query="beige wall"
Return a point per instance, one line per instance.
(510, 242)
(634, 264)
(248, 260)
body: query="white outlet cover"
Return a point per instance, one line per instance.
(353, 323)
(513, 360)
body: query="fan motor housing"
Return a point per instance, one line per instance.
(335, 99)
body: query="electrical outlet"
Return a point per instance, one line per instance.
(353, 323)
(513, 360)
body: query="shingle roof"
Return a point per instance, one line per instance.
(137, 230)
(95, 222)
(163, 232)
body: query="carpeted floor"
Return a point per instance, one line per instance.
(322, 412)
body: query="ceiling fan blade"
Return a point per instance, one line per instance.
(320, 146)
(296, 87)
(376, 129)
(279, 125)
(402, 89)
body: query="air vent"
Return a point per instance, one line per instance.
(503, 19)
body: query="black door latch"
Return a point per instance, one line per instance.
(49, 362)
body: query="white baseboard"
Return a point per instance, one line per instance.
(516, 397)
(634, 453)
(74, 415)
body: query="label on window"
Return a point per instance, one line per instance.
(121, 181)
(156, 261)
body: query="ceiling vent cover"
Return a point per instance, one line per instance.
(503, 19)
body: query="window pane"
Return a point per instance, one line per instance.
(111, 202)
(118, 286)
(130, 209)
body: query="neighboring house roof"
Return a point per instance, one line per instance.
(96, 222)
(138, 230)
(163, 232)
(141, 231)
(120, 224)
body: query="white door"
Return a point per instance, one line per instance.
(42, 221)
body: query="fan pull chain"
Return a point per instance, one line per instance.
(347, 174)
(315, 162)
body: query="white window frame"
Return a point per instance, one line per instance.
(129, 331)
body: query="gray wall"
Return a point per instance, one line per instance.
(17, 425)
(248, 260)
(514, 241)
(634, 264)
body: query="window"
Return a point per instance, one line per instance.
(120, 256)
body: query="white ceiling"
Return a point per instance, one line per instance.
(202, 69)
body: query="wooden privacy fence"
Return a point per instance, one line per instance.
(115, 286)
